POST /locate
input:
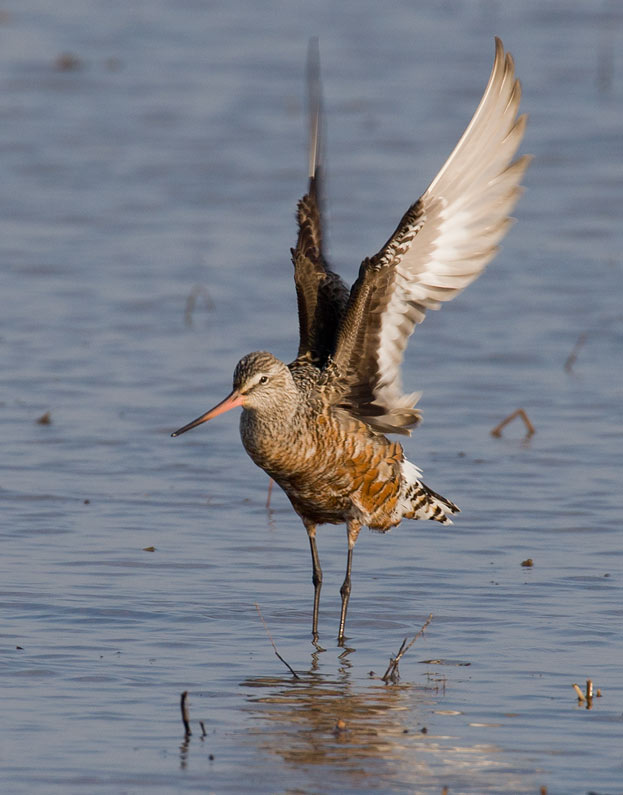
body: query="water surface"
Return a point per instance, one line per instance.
(171, 157)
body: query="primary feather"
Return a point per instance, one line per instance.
(321, 293)
(443, 242)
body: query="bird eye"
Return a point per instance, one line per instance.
(264, 379)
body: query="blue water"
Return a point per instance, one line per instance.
(170, 160)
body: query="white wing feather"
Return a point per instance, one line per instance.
(443, 243)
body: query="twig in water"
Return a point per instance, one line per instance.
(185, 717)
(589, 694)
(530, 429)
(578, 692)
(197, 290)
(391, 674)
(203, 729)
(574, 353)
(270, 638)
(585, 697)
(271, 483)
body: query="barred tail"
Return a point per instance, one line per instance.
(419, 502)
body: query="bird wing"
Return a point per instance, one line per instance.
(443, 242)
(321, 294)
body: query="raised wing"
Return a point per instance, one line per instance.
(321, 294)
(443, 242)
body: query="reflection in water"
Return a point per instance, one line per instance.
(316, 721)
(334, 728)
(184, 751)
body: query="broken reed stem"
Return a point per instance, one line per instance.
(587, 695)
(270, 638)
(574, 353)
(530, 429)
(578, 692)
(271, 483)
(185, 715)
(391, 674)
(198, 290)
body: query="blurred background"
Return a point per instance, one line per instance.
(151, 157)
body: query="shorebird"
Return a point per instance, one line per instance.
(318, 426)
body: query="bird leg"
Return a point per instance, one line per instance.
(316, 576)
(352, 529)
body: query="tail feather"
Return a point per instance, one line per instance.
(420, 502)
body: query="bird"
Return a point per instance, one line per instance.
(319, 425)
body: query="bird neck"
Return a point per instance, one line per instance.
(279, 412)
(269, 430)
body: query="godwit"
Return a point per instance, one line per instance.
(317, 425)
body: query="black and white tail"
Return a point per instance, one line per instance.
(419, 502)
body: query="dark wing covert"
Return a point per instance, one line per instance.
(321, 293)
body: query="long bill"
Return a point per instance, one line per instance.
(231, 401)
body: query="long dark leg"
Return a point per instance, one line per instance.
(316, 576)
(352, 529)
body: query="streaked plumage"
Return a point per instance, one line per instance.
(317, 425)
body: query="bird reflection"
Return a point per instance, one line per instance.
(364, 736)
(356, 732)
(323, 721)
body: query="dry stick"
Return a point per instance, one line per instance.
(578, 692)
(185, 717)
(589, 693)
(587, 696)
(271, 483)
(197, 290)
(574, 353)
(392, 669)
(497, 431)
(270, 638)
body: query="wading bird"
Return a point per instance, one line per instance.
(318, 425)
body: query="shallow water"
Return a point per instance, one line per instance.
(171, 159)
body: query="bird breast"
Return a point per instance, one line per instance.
(330, 471)
(280, 445)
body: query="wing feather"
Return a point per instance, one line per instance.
(441, 245)
(321, 294)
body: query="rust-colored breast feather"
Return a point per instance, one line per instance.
(342, 474)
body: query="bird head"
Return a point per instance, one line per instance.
(260, 381)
